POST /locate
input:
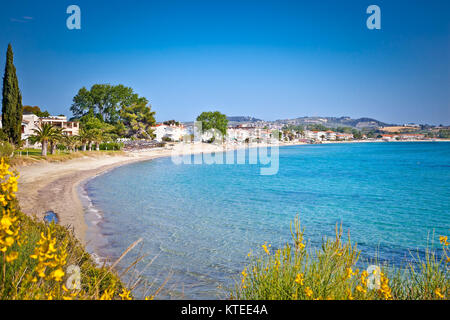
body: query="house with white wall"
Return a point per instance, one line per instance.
(172, 132)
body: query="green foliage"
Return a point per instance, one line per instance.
(213, 120)
(6, 150)
(45, 133)
(138, 120)
(344, 129)
(295, 128)
(104, 101)
(115, 110)
(317, 127)
(298, 272)
(11, 101)
(90, 273)
(444, 134)
(3, 135)
(171, 123)
(370, 134)
(36, 110)
(111, 146)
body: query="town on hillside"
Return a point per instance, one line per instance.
(254, 130)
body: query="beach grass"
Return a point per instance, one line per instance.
(30, 156)
(298, 272)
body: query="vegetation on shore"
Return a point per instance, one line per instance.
(116, 111)
(11, 101)
(39, 260)
(296, 272)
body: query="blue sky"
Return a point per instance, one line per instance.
(268, 59)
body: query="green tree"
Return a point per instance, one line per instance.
(356, 134)
(138, 119)
(56, 138)
(71, 142)
(97, 138)
(43, 134)
(36, 110)
(104, 101)
(85, 136)
(317, 127)
(171, 123)
(11, 101)
(213, 120)
(444, 134)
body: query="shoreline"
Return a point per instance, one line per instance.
(56, 186)
(47, 186)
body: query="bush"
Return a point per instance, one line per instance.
(6, 150)
(111, 146)
(40, 260)
(330, 272)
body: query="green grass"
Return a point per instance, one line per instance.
(298, 272)
(13, 284)
(29, 156)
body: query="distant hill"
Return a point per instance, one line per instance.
(330, 122)
(334, 122)
(243, 119)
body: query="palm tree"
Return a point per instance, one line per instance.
(55, 139)
(97, 138)
(71, 142)
(43, 134)
(85, 137)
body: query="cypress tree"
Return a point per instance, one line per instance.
(12, 101)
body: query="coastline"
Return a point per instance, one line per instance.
(56, 186)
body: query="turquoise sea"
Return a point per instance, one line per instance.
(200, 221)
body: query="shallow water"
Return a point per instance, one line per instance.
(202, 220)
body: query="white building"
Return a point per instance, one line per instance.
(172, 132)
(344, 136)
(69, 128)
(248, 134)
(315, 135)
(331, 135)
(31, 122)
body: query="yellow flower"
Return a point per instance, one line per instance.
(58, 274)
(299, 279)
(361, 289)
(443, 240)
(349, 294)
(244, 275)
(385, 290)
(150, 298)
(349, 273)
(108, 294)
(5, 222)
(264, 246)
(439, 293)
(364, 276)
(308, 292)
(12, 256)
(125, 295)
